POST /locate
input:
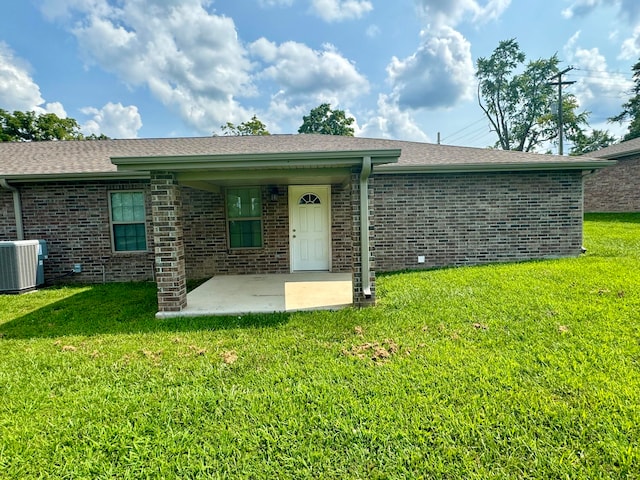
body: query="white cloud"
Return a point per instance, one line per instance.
(627, 9)
(329, 10)
(373, 31)
(391, 122)
(339, 10)
(275, 3)
(437, 13)
(53, 107)
(63, 9)
(300, 71)
(630, 49)
(190, 59)
(601, 91)
(18, 91)
(113, 120)
(439, 74)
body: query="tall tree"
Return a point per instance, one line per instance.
(326, 121)
(631, 109)
(518, 105)
(31, 127)
(584, 144)
(250, 127)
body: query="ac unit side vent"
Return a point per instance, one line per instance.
(19, 265)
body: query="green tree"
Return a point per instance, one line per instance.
(584, 144)
(250, 127)
(631, 109)
(518, 105)
(31, 127)
(325, 121)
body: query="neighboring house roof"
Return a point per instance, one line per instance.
(93, 158)
(619, 150)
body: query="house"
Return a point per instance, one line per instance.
(617, 187)
(174, 209)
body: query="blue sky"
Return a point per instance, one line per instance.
(404, 69)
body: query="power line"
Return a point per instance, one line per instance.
(453, 135)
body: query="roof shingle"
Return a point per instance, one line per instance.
(94, 157)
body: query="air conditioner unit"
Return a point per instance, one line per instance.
(21, 265)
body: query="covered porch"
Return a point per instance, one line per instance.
(291, 191)
(243, 294)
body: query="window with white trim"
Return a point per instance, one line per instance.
(244, 217)
(128, 221)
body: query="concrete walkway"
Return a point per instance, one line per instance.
(240, 294)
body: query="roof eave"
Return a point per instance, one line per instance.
(69, 177)
(494, 167)
(620, 155)
(257, 160)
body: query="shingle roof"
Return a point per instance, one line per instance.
(619, 150)
(94, 157)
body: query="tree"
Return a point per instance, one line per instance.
(31, 127)
(518, 105)
(584, 144)
(325, 121)
(250, 127)
(631, 109)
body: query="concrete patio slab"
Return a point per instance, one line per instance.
(241, 294)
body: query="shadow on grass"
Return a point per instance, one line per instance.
(633, 217)
(111, 309)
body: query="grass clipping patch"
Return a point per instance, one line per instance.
(375, 351)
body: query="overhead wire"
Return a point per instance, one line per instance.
(459, 133)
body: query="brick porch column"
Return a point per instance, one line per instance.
(168, 238)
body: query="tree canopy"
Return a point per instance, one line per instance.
(326, 121)
(250, 127)
(32, 127)
(518, 105)
(584, 144)
(631, 108)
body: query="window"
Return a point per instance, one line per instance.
(309, 199)
(128, 227)
(244, 214)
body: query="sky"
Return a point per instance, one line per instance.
(404, 69)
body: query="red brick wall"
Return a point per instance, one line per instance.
(167, 218)
(342, 256)
(469, 219)
(74, 220)
(7, 217)
(451, 219)
(206, 243)
(615, 188)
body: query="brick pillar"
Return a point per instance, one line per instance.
(168, 239)
(358, 296)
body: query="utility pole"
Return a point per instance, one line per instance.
(560, 83)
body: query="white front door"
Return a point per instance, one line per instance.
(310, 227)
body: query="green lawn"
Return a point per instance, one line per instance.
(527, 370)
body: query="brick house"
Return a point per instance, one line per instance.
(188, 208)
(617, 187)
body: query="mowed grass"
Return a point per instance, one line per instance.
(528, 370)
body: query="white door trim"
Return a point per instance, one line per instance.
(295, 192)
